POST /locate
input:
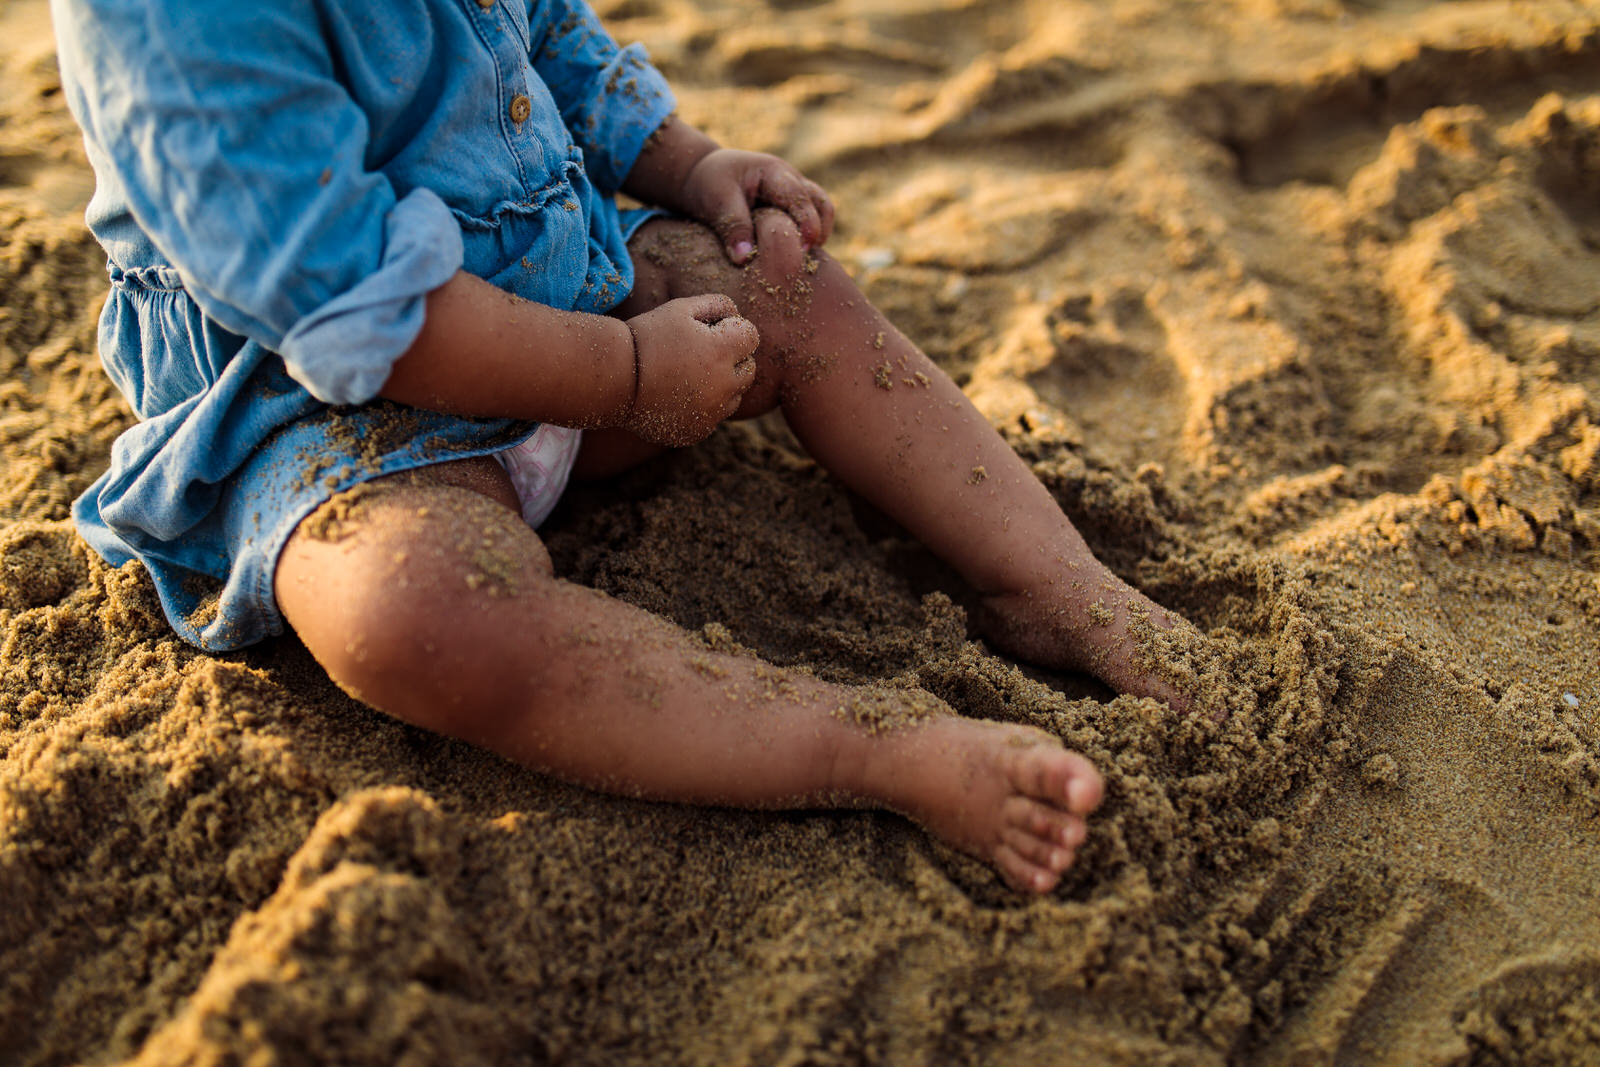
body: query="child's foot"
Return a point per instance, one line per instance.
(1009, 795)
(1102, 627)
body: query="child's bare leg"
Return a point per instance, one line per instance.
(430, 599)
(879, 414)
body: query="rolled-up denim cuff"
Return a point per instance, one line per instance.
(634, 100)
(344, 350)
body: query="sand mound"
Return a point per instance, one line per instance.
(1295, 306)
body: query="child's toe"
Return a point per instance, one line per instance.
(1059, 777)
(1047, 822)
(1071, 831)
(1043, 770)
(1084, 788)
(1022, 873)
(1037, 850)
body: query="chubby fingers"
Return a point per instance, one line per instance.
(719, 314)
(729, 217)
(736, 337)
(711, 308)
(803, 200)
(824, 205)
(786, 189)
(741, 337)
(727, 185)
(744, 376)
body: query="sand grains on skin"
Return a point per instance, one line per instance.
(1009, 795)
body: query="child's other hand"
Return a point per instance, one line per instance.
(726, 184)
(696, 358)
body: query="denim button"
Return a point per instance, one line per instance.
(521, 108)
(486, 4)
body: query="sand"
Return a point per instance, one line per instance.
(1293, 304)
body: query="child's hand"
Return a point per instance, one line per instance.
(696, 358)
(725, 184)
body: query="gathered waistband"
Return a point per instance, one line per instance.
(155, 277)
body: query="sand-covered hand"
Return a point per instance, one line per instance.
(694, 361)
(726, 185)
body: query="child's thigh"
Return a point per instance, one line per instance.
(381, 570)
(391, 514)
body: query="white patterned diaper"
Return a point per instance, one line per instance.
(539, 468)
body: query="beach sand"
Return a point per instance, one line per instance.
(1293, 304)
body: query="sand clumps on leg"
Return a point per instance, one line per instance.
(530, 671)
(1011, 796)
(923, 455)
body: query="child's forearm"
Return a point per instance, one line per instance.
(669, 155)
(485, 352)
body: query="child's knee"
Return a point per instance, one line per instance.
(406, 606)
(779, 286)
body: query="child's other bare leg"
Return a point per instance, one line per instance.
(879, 414)
(427, 597)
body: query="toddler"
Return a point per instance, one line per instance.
(373, 302)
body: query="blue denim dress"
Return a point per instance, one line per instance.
(278, 187)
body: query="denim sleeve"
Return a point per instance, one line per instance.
(241, 157)
(611, 98)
